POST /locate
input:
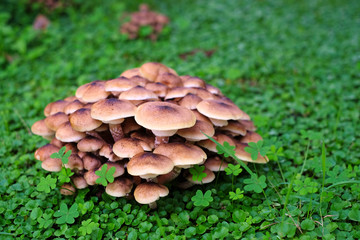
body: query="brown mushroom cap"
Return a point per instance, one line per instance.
(119, 168)
(190, 101)
(149, 165)
(149, 192)
(67, 189)
(211, 146)
(182, 154)
(90, 177)
(151, 70)
(92, 92)
(129, 125)
(140, 81)
(219, 122)
(138, 93)
(79, 182)
(40, 128)
(213, 90)
(131, 73)
(220, 110)
(90, 144)
(119, 84)
(82, 121)
(235, 128)
(91, 162)
(54, 121)
(146, 137)
(193, 82)
(251, 137)
(54, 107)
(196, 132)
(66, 133)
(52, 164)
(45, 152)
(111, 110)
(249, 125)
(129, 147)
(158, 88)
(73, 106)
(56, 142)
(120, 187)
(177, 92)
(75, 162)
(169, 80)
(215, 164)
(245, 156)
(163, 116)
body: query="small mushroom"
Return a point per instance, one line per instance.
(67, 189)
(121, 187)
(149, 193)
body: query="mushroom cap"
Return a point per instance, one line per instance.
(54, 121)
(66, 133)
(91, 162)
(210, 176)
(190, 101)
(90, 144)
(196, 132)
(138, 80)
(73, 106)
(90, 177)
(82, 121)
(193, 82)
(201, 117)
(149, 192)
(129, 125)
(182, 154)
(158, 88)
(119, 84)
(129, 147)
(52, 164)
(177, 92)
(75, 162)
(146, 137)
(67, 189)
(54, 107)
(163, 116)
(211, 146)
(248, 124)
(148, 165)
(45, 152)
(112, 109)
(213, 90)
(40, 128)
(215, 164)
(202, 93)
(220, 110)
(235, 128)
(131, 73)
(151, 70)
(79, 182)
(120, 187)
(251, 137)
(219, 122)
(169, 80)
(138, 93)
(246, 157)
(92, 92)
(56, 142)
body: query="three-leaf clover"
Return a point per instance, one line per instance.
(45, 221)
(275, 153)
(65, 174)
(201, 199)
(237, 195)
(256, 148)
(66, 215)
(87, 227)
(233, 169)
(46, 184)
(305, 187)
(255, 183)
(62, 155)
(197, 173)
(105, 175)
(228, 151)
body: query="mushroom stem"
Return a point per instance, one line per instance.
(159, 140)
(153, 205)
(154, 180)
(116, 131)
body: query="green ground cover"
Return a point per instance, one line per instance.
(294, 66)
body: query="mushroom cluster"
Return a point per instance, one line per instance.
(144, 17)
(149, 124)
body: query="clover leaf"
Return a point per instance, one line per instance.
(305, 187)
(335, 176)
(197, 173)
(66, 215)
(228, 151)
(45, 221)
(256, 148)
(105, 175)
(62, 155)
(237, 195)
(255, 183)
(64, 175)
(233, 169)
(201, 199)
(275, 153)
(46, 184)
(87, 227)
